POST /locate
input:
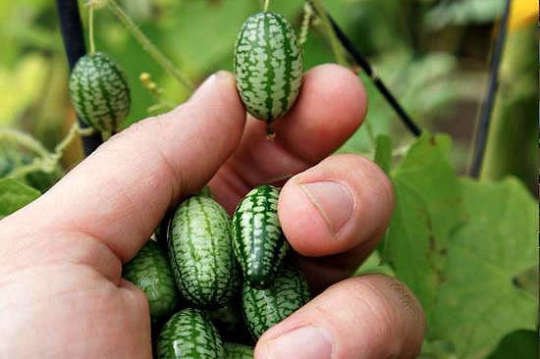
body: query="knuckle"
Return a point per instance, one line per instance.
(369, 305)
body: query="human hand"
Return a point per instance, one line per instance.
(61, 291)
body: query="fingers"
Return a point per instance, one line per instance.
(343, 203)
(119, 194)
(330, 108)
(371, 317)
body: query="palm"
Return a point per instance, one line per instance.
(82, 313)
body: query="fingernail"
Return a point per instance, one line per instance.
(305, 343)
(333, 200)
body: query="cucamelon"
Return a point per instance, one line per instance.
(268, 65)
(201, 253)
(99, 91)
(189, 334)
(150, 271)
(259, 245)
(238, 351)
(263, 308)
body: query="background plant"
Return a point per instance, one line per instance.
(465, 247)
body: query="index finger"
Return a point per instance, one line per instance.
(331, 106)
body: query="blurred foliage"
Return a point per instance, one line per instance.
(462, 246)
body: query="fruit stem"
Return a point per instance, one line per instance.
(266, 5)
(148, 46)
(339, 54)
(91, 29)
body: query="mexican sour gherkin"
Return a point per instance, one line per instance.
(189, 334)
(99, 91)
(150, 271)
(201, 253)
(259, 244)
(268, 65)
(264, 308)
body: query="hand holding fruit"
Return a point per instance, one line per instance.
(62, 294)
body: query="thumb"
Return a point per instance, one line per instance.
(120, 193)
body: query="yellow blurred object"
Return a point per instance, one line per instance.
(523, 13)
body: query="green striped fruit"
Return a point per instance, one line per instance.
(263, 308)
(268, 65)
(150, 271)
(201, 253)
(189, 334)
(99, 91)
(237, 351)
(259, 245)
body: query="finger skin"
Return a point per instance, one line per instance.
(370, 317)
(120, 193)
(307, 224)
(331, 107)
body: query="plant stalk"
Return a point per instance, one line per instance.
(73, 37)
(484, 122)
(148, 46)
(319, 8)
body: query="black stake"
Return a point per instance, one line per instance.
(366, 66)
(73, 36)
(489, 102)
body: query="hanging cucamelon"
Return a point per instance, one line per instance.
(263, 308)
(268, 65)
(189, 334)
(99, 91)
(201, 253)
(259, 244)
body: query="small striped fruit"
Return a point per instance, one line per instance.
(99, 91)
(263, 308)
(150, 271)
(259, 245)
(201, 253)
(238, 351)
(189, 334)
(268, 65)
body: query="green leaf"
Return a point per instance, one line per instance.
(428, 207)
(521, 344)
(383, 154)
(478, 303)
(15, 195)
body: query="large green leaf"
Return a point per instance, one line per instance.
(478, 303)
(428, 207)
(521, 344)
(15, 195)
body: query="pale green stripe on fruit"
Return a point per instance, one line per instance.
(268, 65)
(259, 245)
(264, 308)
(189, 334)
(150, 271)
(201, 253)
